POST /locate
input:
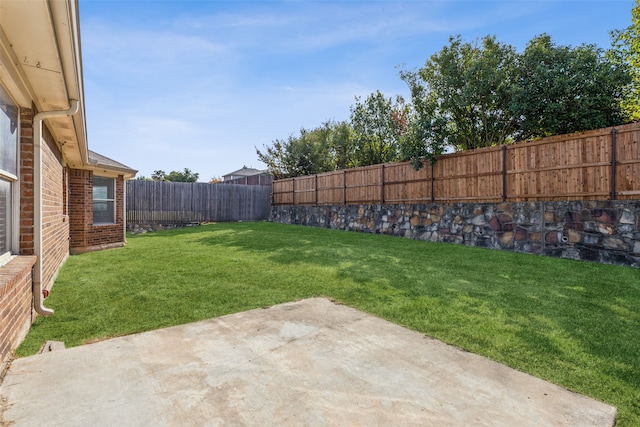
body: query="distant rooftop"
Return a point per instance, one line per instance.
(245, 171)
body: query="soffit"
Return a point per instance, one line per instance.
(41, 39)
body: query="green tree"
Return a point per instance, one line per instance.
(159, 175)
(424, 138)
(322, 149)
(472, 95)
(562, 89)
(626, 51)
(379, 124)
(185, 176)
(338, 136)
(308, 153)
(275, 157)
(467, 89)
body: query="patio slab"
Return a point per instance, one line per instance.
(310, 362)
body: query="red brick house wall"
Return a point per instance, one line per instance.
(16, 297)
(55, 225)
(84, 235)
(55, 233)
(80, 212)
(16, 277)
(67, 227)
(16, 304)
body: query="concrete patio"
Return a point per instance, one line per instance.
(310, 362)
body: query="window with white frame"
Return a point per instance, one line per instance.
(104, 206)
(8, 169)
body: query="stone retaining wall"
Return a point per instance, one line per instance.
(602, 231)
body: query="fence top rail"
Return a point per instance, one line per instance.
(630, 127)
(282, 180)
(369, 167)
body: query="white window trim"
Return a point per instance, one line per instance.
(8, 176)
(13, 225)
(93, 200)
(15, 213)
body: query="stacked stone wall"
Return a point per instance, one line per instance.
(601, 231)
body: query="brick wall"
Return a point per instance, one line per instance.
(79, 207)
(55, 225)
(67, 212)
(15, 304)
(84, 235)
(16, 295)
(55, 228)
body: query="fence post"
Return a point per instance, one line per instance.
(316, 190)
(504, 173)
(344, 189)
(293, 194)
(613, 163)
(433, 196)
(382, 184)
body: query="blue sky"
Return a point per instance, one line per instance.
(200, 84)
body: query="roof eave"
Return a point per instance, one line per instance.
(66, 22)
(111, 171)
(41, 66)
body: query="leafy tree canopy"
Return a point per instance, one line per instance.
(561, 89)
(476, 94)
(174, 176)
(326, 148)
(379, 125)
(470, 87)
(626, 50)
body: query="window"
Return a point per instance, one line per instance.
(8, 169)
(104, 207)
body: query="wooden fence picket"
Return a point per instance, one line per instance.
(594, 165)
(157, 202)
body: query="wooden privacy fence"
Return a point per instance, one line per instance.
(594, 165)
(158, 202)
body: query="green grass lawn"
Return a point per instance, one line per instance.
(573, 323)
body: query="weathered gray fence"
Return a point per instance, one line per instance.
(179, 203)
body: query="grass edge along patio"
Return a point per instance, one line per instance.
(573, 323)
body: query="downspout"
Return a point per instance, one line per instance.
(38, 296)
(124, 209)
